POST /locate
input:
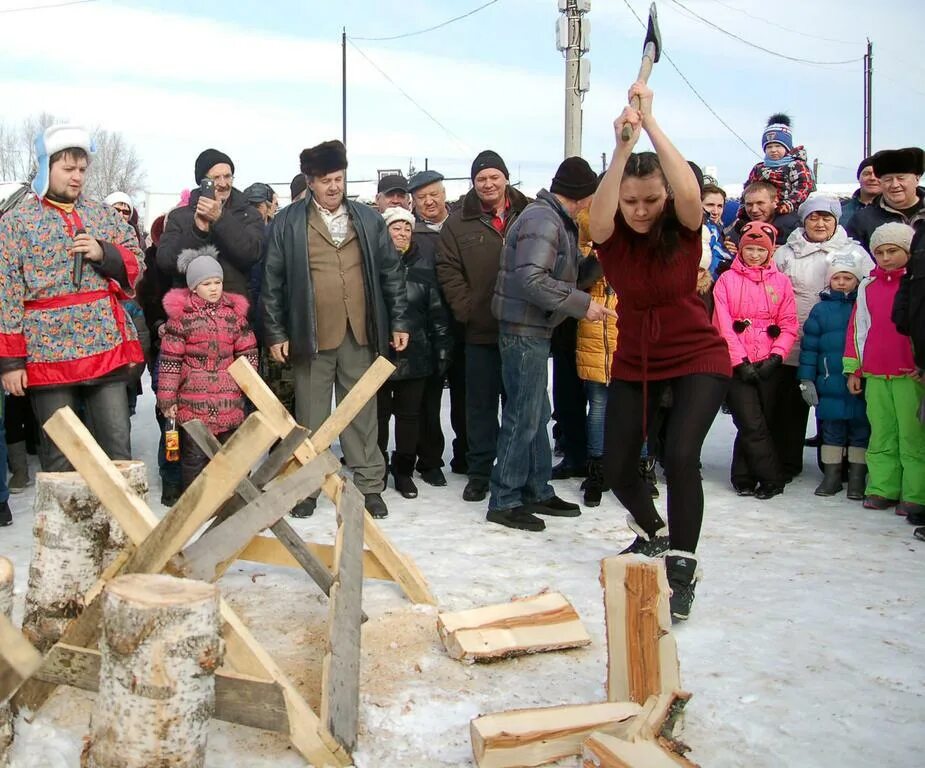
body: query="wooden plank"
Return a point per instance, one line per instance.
(601, 750)
(526, 737)
(340, 678)
(211, 554)
(544, 622)
(269, 551)
(18, 659)
(642, 655)
(400, 569)
(238, 698)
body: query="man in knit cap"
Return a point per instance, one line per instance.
(865, 194)
(535, 291)
(66, 264)
(468, 256)
(217, 214)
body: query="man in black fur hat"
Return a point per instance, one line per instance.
(333, 300)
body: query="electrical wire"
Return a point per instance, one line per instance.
(429, 29)
(45, 7)
(759, 47)
(787, 29)
(690, 85)
(462, 144)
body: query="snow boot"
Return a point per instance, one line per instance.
(19, 466)
(594, 486)
(919, 533)
(170, 492)
(647, 473)
(476, 489)
(857, 472)
(914, 513)
(6, 517)
(644, 544)
(555, 507)
(375, 505)
(831, 471)
(304, 508)
(402, 466)
(879, 502)
(769, 489)
(681, 568)
(433, 477)
(520, 518)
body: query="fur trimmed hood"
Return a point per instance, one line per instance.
(180, 300)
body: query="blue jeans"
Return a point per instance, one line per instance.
(483, 391)
(851, 432)
(596, 392)
(522, 471)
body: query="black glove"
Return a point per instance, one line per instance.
(769, 365)
(746, 371)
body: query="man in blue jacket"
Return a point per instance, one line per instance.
(535, 291)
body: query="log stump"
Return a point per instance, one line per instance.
(159, 650)
(74, 539)
(6, 609)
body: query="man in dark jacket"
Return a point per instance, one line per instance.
(227, 221)
(333, 300)
(468, 256)
(864, 195)
(760, 201)
(901, 198)
(535, 290)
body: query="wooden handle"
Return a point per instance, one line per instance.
(645, 69)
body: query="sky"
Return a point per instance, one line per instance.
(262, 80)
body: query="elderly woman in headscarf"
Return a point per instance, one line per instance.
(805, 259)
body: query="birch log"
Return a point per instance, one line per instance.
(6, 609)
(159, 650)
(74, 539)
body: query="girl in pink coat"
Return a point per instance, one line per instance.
(755, 311)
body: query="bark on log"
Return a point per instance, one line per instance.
(159, 651)
(642, 656)
(544, 622)
(74, 540)
(6, 609)
(603, 751)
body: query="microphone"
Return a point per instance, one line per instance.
(77, 274)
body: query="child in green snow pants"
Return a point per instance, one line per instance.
(896, 453)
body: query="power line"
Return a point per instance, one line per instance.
(759, 47)
(787, 29)
(693, 89)
(45, 7)
(385, 74)
(429, 29)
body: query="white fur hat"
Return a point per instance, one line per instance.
(53, 139)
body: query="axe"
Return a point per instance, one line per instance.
(651, 52)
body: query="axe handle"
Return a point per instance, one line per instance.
(645, 69)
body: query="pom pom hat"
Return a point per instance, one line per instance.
(199, 264)
(54, 139)
(777, 131)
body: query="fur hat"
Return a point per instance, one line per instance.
(323, 158)
(54, 139)
(120, 197)
(199, 264)
(758, 233)
(820, 203)
(488, 158)
(207, 160)
(907, 160)
(778, 131)
(849, 261)
(574, 179)
(396, 213)
(893, 233)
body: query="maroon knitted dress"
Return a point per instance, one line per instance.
(663, 330)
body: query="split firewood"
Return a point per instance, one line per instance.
(601, 750)
(660, 720)
(642, 656)
(526, 737)
(160, 647)
(6, 610)
(544, 622)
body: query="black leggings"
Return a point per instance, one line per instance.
(695, 403)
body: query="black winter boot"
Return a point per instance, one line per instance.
(647, 473)
(6, 517)
(682, 578)
(644, 544)
(594, 485)
(831, 480)
(401, 468)
(857, 481)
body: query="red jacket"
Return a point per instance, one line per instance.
(200, 342)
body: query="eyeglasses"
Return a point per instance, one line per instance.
(124, 211)
(227, 178)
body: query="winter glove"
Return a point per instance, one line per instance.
(769, 365)
(809, 393)
(746, 371)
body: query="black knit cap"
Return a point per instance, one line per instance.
(574, 179)
(488, 158)
(906, 160)
(323, 158)
(297, 186)
(207, 160)
(867, 162)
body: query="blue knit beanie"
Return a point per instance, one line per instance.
(778, 130)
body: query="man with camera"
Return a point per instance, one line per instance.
(219, 215)
(66, 264)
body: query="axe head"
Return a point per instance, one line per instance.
(652, 33)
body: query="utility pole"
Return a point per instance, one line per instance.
(868, 98)
(573, 36)
(343, 97)
(816, 169)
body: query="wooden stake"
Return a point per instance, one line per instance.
(544, 622)
(159, 650)
(642, 656)
(525, 737)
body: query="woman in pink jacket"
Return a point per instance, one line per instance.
(755, 311)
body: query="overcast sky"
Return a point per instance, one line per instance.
(262, 80)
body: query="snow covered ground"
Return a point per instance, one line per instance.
(804, 648)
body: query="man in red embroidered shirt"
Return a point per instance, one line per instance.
(66, 263)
